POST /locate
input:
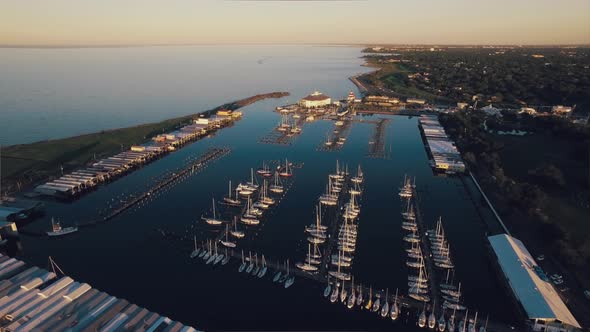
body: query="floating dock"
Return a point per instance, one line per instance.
(34, 299)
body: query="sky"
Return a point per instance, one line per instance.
(137, 22)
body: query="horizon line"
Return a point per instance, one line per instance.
(380, 44)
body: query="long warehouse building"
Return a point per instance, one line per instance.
(535, 296)
(34, 299)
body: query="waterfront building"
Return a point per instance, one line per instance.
(316, 99)
(535, 297)
(444, 155)
(416, 101)
(561, 110)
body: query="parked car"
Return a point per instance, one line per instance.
(587, 294)
(558, 281)
(541, 257)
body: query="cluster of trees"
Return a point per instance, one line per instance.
(509, 77)
(525, 198)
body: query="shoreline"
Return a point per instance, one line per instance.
(20, 170)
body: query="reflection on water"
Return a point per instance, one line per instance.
(129, 256)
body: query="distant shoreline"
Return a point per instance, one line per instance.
(360, 45)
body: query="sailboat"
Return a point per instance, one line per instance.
(58, 230)
(248, 218)
(369, 303)
(264, 197)
(377, 303)
(208, 253)
(202, 254)
(343, 293)
(334, 296)
(218, 257)
(352, 297)
(213, 221)
(306, 266)
(394, 313)
(451, 323)
(328, 288)
(277, 275)
(264, 170)
(213, 256)
(227, 242)
(286, 171)
(422, 318)
(263, 269)
(442, 324)
(196, 251)
(251, 265)
(276, 187)
(243, 265)
(385, 308)
(359, 176)
(290, 280)
(432, 318)
(226, 258)
(256, 267)
(235, 232)
(359, 298)
(231, 200)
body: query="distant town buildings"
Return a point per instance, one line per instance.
(316, 99)
(561, 110)
(381, 100)
(416, 101)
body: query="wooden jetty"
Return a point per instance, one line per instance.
(377, 148)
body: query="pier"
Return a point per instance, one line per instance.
(428, 259)
(337, 137)
(377, 148)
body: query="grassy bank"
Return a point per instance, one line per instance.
(28, 163)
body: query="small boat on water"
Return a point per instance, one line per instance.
(328, 288)
(235, 201)
(442, 323)
(235, 232)
(422, 318)
(263, 269)
(227, 243)
(343, 294)
(264, 170)
(276, 187)
(369, 303)
(306, 266)
(290, 279)
(359, 297)
(213, 221)
(256, 267)
(58, 230)
(277, 276)
(243, 265)
(251, 265)
(394, 312)
(334, 295)
(377, 304)
(385, 308)
(195, 251)
(286, 171)
(432, 319)
(352, 297)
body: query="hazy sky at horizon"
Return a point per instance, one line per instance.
(99, 22)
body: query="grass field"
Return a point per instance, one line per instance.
(28, 163)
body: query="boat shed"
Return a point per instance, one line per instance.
(537, 298)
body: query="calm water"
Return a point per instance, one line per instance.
(128, 256)
(52, 93)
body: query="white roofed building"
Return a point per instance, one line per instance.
(538, 300)
(316, 99)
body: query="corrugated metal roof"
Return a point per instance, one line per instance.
(538, 298)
